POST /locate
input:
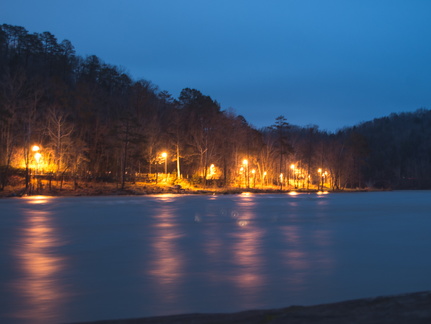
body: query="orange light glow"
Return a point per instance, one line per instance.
(36, 200)
(247, 253)
(166, 259)
(168, 197)
(40, 267)
(242, 223)
(37, 157)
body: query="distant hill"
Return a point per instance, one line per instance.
(399, 150)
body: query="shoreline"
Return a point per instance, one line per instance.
(126, 192)
(143, 189)
(412, 308)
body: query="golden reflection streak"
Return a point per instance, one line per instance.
(166, 197)
(40, 290)
(319, 193)
(167, 263)
(37, 200)
(247, 255)
(247, 251)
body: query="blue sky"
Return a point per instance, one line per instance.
(332, 63)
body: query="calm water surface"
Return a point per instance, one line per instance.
(80, 259)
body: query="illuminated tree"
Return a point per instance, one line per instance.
(59, 131)
(283, 147)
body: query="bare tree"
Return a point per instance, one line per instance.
(59, 131)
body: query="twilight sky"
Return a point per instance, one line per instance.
(331, 63)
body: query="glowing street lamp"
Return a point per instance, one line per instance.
(292, 167)
(212, 172)
(281, 181)
(37, 156)
(325, 174)
(165, 156)
(245, 163)
(321, 178)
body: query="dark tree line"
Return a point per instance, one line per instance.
(93, 122)
(399, 150)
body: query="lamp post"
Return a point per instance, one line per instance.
(324, 177)
(37, 156)
(165, 156)
(292, 167)
(281, 181)
(245, 162)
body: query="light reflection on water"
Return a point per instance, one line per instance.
(42, 296)
(231, 240)
(37, 200)
(166, 266)
(248, 252)
(95, 258)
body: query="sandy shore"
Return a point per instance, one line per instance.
(413, 308)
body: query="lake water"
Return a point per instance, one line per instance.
(93, 258)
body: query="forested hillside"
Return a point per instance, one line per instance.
(72, 117)
(399, 150)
